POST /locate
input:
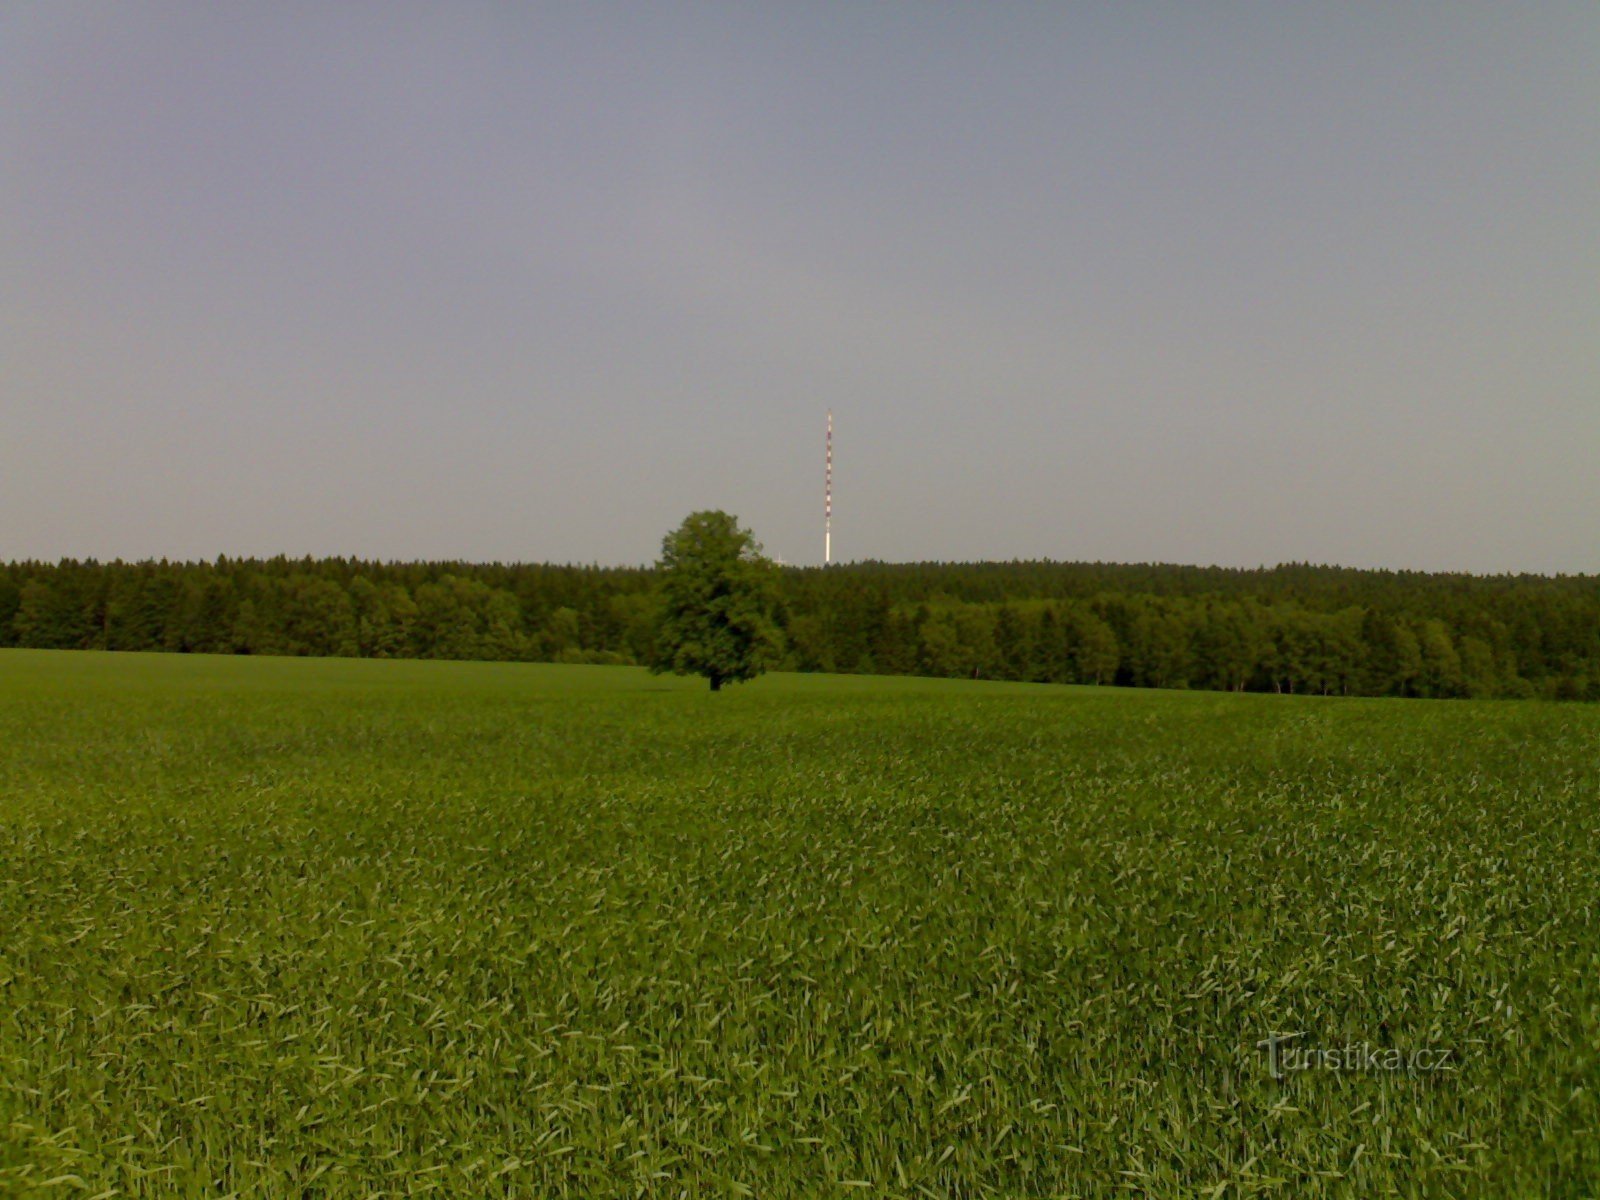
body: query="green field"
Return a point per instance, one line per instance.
(285, 927)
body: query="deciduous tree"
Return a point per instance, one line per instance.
(719, 610)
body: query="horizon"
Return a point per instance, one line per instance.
(513, 564)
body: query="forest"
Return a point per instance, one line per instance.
(1294, 628)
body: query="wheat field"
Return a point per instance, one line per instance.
(334, 928)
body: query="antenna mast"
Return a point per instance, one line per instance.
(827, 498)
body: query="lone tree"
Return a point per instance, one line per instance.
(719, 602)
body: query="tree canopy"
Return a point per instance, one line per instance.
(1292, 628)
(719, 602)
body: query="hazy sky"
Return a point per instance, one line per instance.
(1204, 283)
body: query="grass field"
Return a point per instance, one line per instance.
(343, 928)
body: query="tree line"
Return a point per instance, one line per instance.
(1295, 628)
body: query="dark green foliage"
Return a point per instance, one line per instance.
(719, 601)
(459, 617)
(1292, 629)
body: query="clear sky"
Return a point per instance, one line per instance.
(1211, 283)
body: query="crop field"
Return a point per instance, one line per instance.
(337, 928)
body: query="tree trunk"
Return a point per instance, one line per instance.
(716, 683)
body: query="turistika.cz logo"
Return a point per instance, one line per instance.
(1286, 1054)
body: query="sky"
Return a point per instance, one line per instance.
(1227, 283)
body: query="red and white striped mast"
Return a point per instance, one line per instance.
(827, 498)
